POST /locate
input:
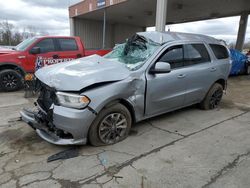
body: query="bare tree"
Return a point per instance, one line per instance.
(6, 30)
(11, 36)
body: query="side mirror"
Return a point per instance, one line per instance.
(35, 50)
(160, 68)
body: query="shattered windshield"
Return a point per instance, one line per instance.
(134, 52)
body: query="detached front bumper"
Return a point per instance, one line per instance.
(65, 120)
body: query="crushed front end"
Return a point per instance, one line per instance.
(57, 124)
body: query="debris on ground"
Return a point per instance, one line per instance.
(66, 154)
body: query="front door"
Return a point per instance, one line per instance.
(165, 92)
(47, 51)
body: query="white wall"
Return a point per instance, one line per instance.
(91, 32)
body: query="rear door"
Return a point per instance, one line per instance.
(201, 73)
(68, 49)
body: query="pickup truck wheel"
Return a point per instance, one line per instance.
(213, 97)
(112, 125)
(10, 80)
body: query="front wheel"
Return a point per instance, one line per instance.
(112, 125)
(10, 80)
(213, 97)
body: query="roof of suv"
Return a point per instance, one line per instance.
(164, 37)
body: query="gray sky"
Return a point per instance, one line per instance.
(52, 16)
(44, 15)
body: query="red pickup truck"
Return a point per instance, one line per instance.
(17, 62)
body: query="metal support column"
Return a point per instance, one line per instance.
(72, 26)
(161, 15)
(104, 30)
(242, 31)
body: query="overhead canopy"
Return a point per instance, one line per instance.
(143, 12)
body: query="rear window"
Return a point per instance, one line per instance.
(195, 54)
(68, 44)
(220, 51)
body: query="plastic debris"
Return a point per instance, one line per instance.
(66, 154)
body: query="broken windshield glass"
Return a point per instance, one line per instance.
(134, 52)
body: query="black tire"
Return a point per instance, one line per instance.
(247, 69)
(213, 97)
(101, 133)
(10, 80)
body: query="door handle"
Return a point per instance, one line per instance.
(55, 56)
(213, 69)
(181, 76)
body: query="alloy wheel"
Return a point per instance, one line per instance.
(10, 81)
(113, 128)
(216, 98)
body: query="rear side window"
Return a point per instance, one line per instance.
(220, 51)
(173, 56)
(68, 44)
(46, 45)
(195, 54)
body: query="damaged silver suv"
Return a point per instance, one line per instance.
(97, 99)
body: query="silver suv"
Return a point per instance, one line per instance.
(97, 99)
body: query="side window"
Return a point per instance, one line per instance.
(195, 54)
(68, 44)
(46, 45)
(173, 56)
(220, 51)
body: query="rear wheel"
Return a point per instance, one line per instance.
(213, 97)
(10, 80)
(112, 125)
(248, 69)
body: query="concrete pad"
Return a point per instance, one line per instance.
(191, 162)
(27, 179)
(44, 184)
(5, 177)
(147, 139)
(192, 119)
(10, 184)
(154, 155)
(238, 177)
(78, 168)
(33, 168)
(13, 99)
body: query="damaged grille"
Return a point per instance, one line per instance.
(47, 96)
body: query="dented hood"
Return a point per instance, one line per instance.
(78, 74)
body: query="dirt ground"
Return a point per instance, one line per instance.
(186, 148)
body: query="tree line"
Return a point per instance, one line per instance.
(11, 35)
(245, 46)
